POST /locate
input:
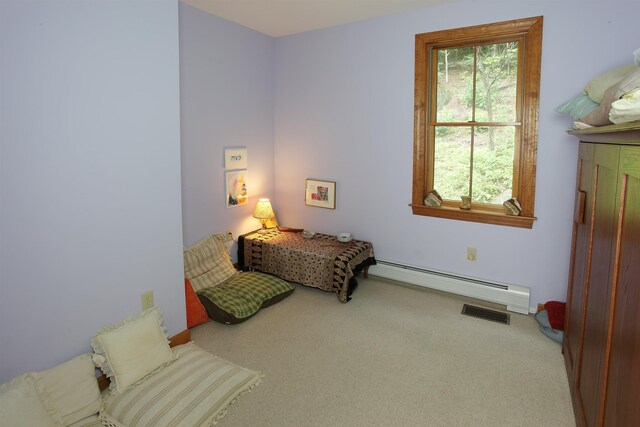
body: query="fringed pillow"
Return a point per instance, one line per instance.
(25, 402)
(133, 349)
(73, 388)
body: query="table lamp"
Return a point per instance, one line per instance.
(263, 212)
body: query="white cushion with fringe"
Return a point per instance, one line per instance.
(194, 390)
(24, 401)
(133, 349)
(73, 388)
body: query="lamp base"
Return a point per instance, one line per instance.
(264, 228)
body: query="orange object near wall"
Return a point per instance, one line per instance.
(196, 314)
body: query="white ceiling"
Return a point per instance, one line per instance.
(284, 17)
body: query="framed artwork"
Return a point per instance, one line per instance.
(235, 158)
(236, 188)
(321, 194)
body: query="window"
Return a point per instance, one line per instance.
(476, 120)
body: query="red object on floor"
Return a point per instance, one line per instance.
(196, 314)
(555, 311)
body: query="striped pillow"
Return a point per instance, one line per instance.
(194, 390)
(207, 263)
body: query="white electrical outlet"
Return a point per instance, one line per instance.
(147, 300)
(229, 236)
(471, 253)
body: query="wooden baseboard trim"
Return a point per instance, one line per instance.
(103, 382)
(178, 339)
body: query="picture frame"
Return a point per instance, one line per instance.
(320, 193)
(235, 158)
(236, 188)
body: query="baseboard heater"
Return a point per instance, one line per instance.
(515, 297)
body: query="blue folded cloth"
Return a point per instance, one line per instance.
(542, 318)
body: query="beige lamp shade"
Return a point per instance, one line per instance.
(263, 212)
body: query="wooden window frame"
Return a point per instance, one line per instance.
(528, 31)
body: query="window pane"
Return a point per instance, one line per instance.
(496, 82)
(452, 162)
(455, 84)
(493, 164)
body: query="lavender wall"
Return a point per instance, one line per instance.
(226, 96)
(344, 112)
(90, 173)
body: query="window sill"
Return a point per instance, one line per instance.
(474, 215)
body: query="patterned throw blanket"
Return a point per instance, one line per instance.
(320, 262)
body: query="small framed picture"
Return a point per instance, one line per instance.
(236, 186)
(321, 194)
(235, 158)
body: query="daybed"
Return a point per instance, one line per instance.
(150, 383)
(320, 262)
(227, 295)
(154, 385)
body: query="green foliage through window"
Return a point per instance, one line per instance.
(489, 176)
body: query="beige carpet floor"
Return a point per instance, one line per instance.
(392, 356)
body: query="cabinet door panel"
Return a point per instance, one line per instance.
(579, 263)
(623, 382)
(592, 367)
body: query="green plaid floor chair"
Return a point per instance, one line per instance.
(229, 296)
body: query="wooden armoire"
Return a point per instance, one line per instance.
(602, 327)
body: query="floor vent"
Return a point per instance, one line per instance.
(486, 314)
